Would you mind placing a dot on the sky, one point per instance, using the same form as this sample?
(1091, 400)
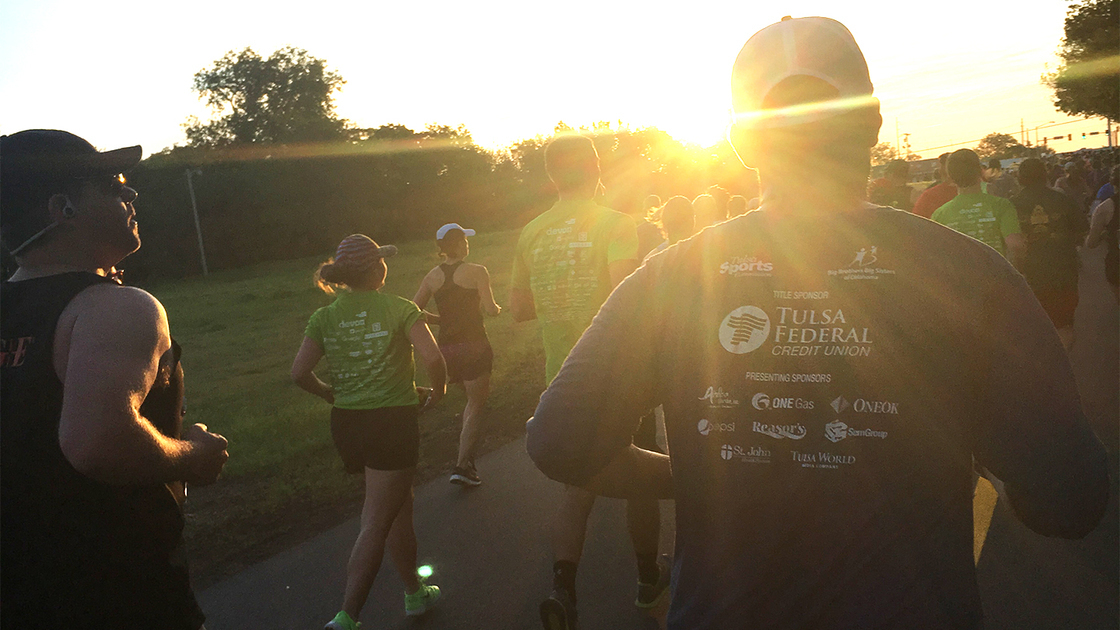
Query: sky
(947, 72)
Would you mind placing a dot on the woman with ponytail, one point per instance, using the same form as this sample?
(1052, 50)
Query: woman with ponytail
(368, 338)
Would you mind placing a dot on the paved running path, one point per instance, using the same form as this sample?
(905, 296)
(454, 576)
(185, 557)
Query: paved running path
(489, 546)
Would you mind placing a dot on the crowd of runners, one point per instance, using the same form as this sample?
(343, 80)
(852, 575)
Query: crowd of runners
(830, 366)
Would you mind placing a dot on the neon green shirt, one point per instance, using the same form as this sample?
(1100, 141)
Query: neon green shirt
(364, 336)
(563, 257)
(986, 218)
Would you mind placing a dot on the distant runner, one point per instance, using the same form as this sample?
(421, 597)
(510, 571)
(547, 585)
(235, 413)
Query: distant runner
(823, 416)
(1104, 227)
(367, 338)
(1054, 226)
(568, 260)
(462, 293)
(989, 219)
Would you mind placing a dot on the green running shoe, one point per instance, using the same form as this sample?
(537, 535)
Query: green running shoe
(418, 603)
(342, 621)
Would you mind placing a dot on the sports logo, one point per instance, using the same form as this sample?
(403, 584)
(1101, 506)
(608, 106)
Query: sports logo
(744, 329)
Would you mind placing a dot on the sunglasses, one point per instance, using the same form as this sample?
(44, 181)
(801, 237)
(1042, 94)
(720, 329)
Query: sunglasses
(113, 186)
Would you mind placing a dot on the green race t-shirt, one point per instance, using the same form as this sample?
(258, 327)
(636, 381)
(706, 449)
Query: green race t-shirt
(563, 257)
(986, 218)
(364, 336)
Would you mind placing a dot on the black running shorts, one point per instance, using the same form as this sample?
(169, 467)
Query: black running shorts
(387, 438)
(467, 361)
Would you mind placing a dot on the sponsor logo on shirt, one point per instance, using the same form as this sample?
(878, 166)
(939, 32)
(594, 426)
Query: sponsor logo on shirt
(864, 266)
(780, 431)
(744, 330)
(838, 430)
(822, 459)
(746, 266)
(797, 332)
(719, 399)
(750, 455)
(763, 402)
(865, 406)
(707, 426)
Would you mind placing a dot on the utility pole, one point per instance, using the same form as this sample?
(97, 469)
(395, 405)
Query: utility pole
(1022, 133)
(197, 226)
(897, 146)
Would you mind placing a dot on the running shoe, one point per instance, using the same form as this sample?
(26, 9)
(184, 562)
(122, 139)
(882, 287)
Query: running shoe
(342, 621)
(465, 476)
(558, 612)
(651, 595)
(421, 601)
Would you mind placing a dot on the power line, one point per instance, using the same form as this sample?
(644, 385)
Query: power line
(954, 144)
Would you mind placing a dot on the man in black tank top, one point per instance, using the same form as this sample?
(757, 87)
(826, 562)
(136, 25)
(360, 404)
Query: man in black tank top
(93, 453)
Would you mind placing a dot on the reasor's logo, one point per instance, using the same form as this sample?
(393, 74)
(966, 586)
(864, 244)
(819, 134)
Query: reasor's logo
(744, 329)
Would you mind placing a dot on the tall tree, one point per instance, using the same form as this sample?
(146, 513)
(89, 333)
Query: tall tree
(288, 97)
(883, 153)
(1087, 83)
(1001, 146)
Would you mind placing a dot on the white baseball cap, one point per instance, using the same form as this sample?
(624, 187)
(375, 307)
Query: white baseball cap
(442, 232)
(811, 46)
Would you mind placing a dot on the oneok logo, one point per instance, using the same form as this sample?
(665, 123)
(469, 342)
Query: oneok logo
(706, 426)
(744, 329)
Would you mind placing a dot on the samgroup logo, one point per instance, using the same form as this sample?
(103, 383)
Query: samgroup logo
(837, 430)
(747, 266)
(707, 426)
(744, 329)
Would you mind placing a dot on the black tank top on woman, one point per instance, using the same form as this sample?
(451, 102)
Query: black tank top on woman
(460, 320)
(74, 552)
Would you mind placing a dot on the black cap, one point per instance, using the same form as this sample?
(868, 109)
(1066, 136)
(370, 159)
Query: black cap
(44, 152)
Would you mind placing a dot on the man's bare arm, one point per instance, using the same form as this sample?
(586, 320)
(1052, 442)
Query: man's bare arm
(432, 360)
(1016, 248)
(521, 306)
(115, 343)
(634, 474)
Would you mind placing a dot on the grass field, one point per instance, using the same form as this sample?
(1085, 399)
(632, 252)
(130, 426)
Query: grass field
(284, 482)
